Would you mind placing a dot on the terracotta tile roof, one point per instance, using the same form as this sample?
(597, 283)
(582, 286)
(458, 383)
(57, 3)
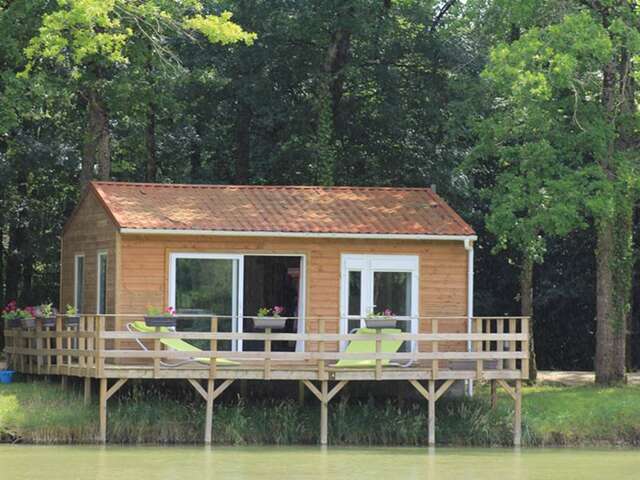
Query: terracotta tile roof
(335, 210)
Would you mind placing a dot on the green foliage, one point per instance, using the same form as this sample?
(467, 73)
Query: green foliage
(82, 32)
(220, 29)
(143, 413)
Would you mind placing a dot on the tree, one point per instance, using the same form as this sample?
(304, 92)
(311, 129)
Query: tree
(89, 39)
(570, 83)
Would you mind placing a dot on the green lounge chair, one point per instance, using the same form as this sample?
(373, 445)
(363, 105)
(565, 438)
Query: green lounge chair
(369, 346)
(176, 344)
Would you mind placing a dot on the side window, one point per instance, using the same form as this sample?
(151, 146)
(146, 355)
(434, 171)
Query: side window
(78, 292)
(101, 298)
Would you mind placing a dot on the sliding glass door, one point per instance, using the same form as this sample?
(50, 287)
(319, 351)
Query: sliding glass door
(208, 284)
(375, 284)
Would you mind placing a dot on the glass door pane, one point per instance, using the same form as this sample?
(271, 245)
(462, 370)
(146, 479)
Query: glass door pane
(392, 296)
(354, 300)
(207, 286)
(392, 291)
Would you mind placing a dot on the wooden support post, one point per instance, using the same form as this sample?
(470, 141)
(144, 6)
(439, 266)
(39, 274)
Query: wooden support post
(324, 412)
(301, 392)
(87, 390)
(63, 381)
(103, 411)
(517, 415)
(321, 363)
(432, 412)
(267, 354)
(434, 349)
(208, 423)
(243, 388)
(494, 395)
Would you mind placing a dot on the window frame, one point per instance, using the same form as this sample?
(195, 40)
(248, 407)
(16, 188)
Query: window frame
(79, 302)
(99, 306)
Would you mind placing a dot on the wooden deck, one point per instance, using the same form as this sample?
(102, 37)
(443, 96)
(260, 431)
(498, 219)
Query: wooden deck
(499, 355)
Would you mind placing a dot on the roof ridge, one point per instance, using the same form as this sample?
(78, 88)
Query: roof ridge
(257, 187)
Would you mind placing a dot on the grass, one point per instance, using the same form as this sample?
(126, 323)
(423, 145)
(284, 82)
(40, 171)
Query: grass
(41, 412)
(583, 415)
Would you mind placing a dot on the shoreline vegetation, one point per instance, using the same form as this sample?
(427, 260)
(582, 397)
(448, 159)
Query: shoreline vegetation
(43, 413)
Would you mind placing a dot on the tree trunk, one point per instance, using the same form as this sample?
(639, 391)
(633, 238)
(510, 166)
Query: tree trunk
(526, 310)
(17, 243)
(329, 95)
(242, 150)
(610, 335)
(96, 149)
(151, 172)
(195, 158)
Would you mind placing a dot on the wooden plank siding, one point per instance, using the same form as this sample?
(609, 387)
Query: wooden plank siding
(442, 276)
(89, 231)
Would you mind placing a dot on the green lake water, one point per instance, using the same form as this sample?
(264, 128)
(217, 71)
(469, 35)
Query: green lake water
(306, 463)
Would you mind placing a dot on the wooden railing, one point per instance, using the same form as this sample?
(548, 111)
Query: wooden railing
(98, 343)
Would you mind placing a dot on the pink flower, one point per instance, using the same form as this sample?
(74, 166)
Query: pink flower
(387, 312)
(277, 310)
(170, 310)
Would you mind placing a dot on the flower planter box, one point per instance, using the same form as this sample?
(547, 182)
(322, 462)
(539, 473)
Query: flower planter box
(160, 321)
(28, 322)
(269, 322)
(72, 321)
(383, 322)
(15, 323)
(49, 321)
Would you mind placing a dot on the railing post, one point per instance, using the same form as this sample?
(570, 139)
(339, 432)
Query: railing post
(500, 343)
(213, 346)
(378, 373)
(59, 345)
(90, 363)
(321, 362)
(512, 343)
(82, 344)
(38, 344)
(267, 354)
(68, 345)
(99, 346)
(524, 328)
(434, 349)
(156, 354)
(478, 349)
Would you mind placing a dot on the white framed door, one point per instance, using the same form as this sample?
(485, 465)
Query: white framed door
(208, 284)
(375, 283)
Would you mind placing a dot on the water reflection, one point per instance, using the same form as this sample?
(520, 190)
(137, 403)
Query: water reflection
(335, 463)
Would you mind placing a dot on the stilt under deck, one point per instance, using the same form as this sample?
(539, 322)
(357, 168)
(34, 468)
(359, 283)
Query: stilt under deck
(499, 355)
